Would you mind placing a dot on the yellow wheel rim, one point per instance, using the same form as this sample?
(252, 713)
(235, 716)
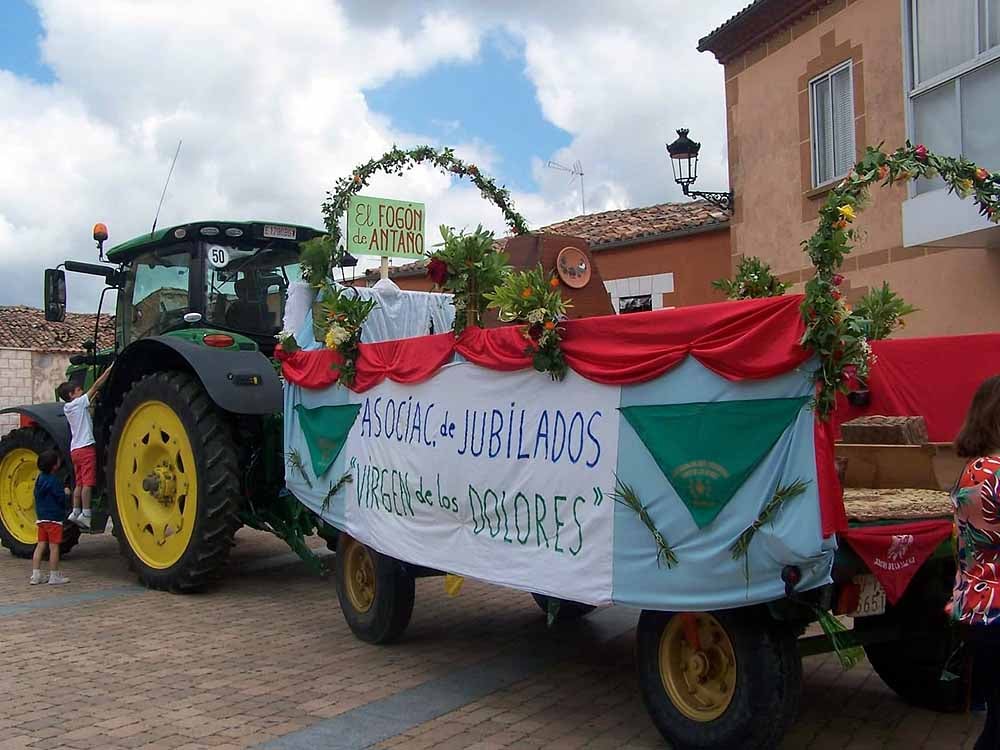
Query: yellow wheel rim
(18, 472)
(359, 575)
(700, 678)
(156, 485)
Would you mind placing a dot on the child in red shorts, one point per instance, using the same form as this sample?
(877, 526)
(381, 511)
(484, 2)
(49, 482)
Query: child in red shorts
(83, 451)
(50, 509)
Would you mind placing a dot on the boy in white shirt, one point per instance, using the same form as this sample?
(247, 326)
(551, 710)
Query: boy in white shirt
(82, 447)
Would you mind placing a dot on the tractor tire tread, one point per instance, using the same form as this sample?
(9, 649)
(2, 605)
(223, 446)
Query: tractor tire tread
(217, 519)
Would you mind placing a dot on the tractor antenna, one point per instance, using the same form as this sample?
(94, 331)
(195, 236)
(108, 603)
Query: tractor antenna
(575, 171)
(163, 194)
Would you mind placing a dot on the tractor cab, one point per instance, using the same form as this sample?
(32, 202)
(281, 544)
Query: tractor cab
(213, 283)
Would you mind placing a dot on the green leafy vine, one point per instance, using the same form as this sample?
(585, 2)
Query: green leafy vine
(836, 336)
(395, 162)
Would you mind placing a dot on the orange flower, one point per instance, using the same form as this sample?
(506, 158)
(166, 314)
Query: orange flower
(553, 282)
(526, 293)
(549, 325)
(357, 179)
(842, 224)
(883, 171)
(981, 174)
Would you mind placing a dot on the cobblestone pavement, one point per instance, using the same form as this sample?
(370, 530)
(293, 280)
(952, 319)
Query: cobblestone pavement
(266, 659)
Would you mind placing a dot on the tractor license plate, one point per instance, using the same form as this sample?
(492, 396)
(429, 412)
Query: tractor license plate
(277, 232)
(871, 598)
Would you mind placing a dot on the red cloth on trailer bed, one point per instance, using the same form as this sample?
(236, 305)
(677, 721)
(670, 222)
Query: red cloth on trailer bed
(930, 377)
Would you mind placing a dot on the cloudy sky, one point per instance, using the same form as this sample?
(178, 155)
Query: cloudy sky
(275, 101)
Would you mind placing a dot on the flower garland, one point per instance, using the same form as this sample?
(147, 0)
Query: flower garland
(396, 161)
(532, 298)
(831, 331)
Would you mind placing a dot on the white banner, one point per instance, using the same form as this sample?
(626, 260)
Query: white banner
(503, 477)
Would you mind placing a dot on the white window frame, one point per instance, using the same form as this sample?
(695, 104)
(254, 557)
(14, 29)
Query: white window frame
(813, 122)
(911, 62)
(912, 51)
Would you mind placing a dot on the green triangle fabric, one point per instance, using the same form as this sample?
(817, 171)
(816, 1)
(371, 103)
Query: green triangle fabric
(707, 451)
(325, 429)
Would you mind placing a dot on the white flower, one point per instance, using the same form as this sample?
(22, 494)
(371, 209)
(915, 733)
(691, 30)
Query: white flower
(336, 335)
(536, 316)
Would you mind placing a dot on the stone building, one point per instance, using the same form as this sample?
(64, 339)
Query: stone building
(34, 354)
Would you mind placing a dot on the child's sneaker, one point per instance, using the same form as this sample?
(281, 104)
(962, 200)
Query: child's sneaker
(36, 578)
(57, 579)
(83, 521)
(74, 515)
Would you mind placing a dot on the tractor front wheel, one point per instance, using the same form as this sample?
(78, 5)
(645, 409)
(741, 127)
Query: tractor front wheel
(19, 451)
(173, 481)
(375, 591)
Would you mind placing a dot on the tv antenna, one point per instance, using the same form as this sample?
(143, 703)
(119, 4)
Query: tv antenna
(160, 204)
(575, 171)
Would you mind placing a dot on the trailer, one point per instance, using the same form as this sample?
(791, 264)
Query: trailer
(679, 468)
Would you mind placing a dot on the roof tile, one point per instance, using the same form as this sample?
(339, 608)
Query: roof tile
(26, 328)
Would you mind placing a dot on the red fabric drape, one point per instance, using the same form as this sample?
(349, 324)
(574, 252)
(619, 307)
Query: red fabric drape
(751, 339)
(495, 348)
(404, 360)
(931, 377)
(316, 369)
(831, 494)
(738, 340)
(895, 553)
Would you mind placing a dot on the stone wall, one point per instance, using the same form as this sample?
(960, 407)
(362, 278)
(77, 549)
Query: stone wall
(28, 377)
(15, 384)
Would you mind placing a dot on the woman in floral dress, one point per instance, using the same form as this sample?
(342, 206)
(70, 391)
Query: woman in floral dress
(976, 598)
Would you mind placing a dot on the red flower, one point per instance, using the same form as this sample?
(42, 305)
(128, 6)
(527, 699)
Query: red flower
(920, 152)
(835, 294)
(837, 279)
(981, 174)
(437, 270)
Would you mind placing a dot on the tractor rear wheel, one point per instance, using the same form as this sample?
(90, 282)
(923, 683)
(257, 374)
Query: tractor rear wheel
(19, 451)
(173, 482)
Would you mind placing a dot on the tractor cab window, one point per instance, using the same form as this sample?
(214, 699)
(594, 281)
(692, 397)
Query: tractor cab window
(158, 292)
(246, 286)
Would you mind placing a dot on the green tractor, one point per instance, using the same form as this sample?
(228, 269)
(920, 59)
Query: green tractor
(188, 425)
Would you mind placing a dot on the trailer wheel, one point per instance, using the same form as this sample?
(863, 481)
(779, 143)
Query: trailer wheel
(721, 679)
(173, 483)
(375, 591)
(912, 664)
(19, 451)
(568, 611)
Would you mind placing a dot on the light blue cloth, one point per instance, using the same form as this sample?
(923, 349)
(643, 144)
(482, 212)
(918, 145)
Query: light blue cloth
(706, 576)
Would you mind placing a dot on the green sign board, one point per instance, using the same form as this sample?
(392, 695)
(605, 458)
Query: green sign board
(379, 226)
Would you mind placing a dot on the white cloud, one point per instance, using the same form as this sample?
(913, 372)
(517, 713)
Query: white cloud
(269, 102)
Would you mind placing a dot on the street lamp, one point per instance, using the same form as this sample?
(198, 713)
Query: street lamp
(684, 162)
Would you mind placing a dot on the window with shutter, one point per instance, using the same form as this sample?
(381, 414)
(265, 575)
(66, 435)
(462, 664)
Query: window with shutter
(831, 99)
